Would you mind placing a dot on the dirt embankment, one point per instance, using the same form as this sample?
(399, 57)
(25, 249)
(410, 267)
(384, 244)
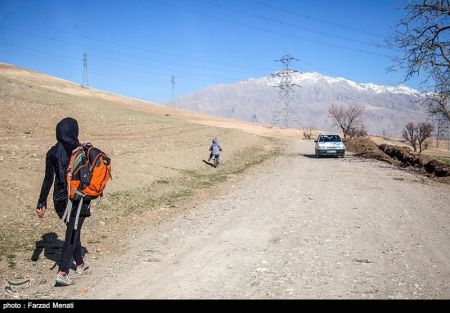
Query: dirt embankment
(365, 147)
(408, 158)
(400, 156)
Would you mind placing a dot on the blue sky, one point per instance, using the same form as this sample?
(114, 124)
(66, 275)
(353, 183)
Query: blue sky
(134, 47)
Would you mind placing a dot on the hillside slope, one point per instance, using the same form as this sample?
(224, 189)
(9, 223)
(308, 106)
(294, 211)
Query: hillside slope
(157, 159)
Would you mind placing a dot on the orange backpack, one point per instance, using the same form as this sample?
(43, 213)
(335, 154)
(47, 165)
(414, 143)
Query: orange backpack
(88, 173)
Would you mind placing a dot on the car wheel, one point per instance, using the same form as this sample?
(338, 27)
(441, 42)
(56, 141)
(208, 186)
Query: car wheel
(316, 154)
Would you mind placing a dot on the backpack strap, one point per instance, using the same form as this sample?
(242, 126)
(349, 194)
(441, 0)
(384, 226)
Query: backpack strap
(68, 210)
(67, 213)
(77, 216)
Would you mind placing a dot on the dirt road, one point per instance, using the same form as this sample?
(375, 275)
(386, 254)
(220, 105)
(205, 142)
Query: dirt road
(297, 227)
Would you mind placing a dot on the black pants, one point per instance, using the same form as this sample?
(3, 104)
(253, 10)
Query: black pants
(72, 245)
(212, 154)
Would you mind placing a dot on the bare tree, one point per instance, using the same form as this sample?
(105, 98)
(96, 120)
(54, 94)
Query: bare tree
(347, 117)
(438, 102)
(410, 134)
(337, 114)
(424, 132)
(307, 132)
(441, 126)
(360, 131)
(424, 37)
(418, 135)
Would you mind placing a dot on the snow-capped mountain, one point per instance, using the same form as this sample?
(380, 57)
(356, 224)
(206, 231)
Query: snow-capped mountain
(387, 109)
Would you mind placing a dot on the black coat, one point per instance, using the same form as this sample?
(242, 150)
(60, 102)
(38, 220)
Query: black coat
(56, 163)
(60, 195)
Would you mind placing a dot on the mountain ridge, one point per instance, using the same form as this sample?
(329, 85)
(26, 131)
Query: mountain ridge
(300, 77)
(388, 108)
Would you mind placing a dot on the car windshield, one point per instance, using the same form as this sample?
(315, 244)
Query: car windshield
(330, 138)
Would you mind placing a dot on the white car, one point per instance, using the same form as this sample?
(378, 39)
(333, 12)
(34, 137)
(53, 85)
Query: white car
(329, 144)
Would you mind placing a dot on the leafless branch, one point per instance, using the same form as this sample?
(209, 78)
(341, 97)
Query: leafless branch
(424, 37)
(348, 118)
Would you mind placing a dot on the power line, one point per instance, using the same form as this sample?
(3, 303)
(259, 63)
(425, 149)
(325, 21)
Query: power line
(27, 10)
(140, 66)
(140, 49)
(178, 63)
(219, 51)
(135, 56)
(262, 29)
(227, 53)
(297, 14)
(103, 74)
(98, 72)
(300, 27)
(137, 66)
(26, 51)
(184, 64)
(94, 67)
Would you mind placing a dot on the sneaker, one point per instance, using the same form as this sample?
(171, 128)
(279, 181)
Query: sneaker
(62, 279)
(81, 268)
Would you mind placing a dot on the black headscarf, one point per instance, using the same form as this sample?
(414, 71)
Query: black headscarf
(67, 136)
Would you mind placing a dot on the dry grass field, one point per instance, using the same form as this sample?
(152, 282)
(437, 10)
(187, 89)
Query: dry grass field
(157, 155)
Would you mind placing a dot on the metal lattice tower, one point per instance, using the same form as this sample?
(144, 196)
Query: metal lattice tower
(85, 71)
(285, 112)
(172, 80)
